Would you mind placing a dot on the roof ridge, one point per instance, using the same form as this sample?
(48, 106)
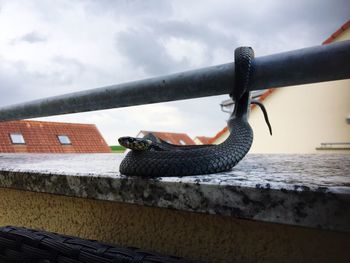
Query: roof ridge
(340, 30)
(51, 122)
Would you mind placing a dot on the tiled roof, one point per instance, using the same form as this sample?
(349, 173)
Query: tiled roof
(42, 137)
(171, 137)
(269, 91)
(204, 139)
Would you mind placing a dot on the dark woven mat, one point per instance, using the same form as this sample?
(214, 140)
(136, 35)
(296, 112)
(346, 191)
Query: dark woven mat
(19, 244)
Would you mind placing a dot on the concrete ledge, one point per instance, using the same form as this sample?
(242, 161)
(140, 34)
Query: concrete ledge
(304, 190)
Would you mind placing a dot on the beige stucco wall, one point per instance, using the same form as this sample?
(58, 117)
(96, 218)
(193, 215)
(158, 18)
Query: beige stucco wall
(345, 35)
(197, 141)
(192, 235)
(303, 117)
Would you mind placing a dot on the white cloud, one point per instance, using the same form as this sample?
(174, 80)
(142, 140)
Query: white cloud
(195, 53)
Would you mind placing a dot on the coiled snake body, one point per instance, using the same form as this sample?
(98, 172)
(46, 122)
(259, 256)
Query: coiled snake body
(150, 158)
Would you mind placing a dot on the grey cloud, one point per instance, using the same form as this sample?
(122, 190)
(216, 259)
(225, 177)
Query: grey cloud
(19, 83)
(268, 27)
(200, 32)
(143, 49)
(301, 22)
(185, 29)
(130, 8)
(32, 37)
(70, 65)
(16, 82)
(64, 72)
(207, 36)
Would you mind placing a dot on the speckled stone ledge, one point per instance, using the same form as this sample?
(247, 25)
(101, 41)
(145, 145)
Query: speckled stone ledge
(303, 190)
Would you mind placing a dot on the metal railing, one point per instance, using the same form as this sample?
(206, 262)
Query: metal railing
(309, 65)
(334, 146)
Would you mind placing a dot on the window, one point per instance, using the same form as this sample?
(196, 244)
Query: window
(182, 142)
(17, 138)
(64, 139)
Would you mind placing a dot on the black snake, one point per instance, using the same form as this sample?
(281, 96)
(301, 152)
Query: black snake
(154, 158)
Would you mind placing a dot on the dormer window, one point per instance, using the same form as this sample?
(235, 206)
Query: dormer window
(17, 138)
(64, 139)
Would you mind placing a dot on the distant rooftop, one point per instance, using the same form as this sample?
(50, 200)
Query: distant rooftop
(170, 137)
(50, 137)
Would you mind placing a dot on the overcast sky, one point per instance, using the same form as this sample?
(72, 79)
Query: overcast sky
(54, 47)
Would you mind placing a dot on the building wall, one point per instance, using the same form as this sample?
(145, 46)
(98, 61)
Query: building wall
(197, 141)
(345, 35)
(42, 137)
(200, 140)
(303, 117)
(211, 238)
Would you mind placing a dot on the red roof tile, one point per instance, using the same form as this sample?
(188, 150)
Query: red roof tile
(41, 137)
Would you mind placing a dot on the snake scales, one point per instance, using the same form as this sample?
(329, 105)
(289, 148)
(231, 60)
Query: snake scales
(150, 158)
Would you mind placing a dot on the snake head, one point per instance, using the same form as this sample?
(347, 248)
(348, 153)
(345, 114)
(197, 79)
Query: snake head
(135, 144)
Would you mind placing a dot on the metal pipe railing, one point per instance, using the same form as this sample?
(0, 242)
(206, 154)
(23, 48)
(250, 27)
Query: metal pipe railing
(314, 64)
